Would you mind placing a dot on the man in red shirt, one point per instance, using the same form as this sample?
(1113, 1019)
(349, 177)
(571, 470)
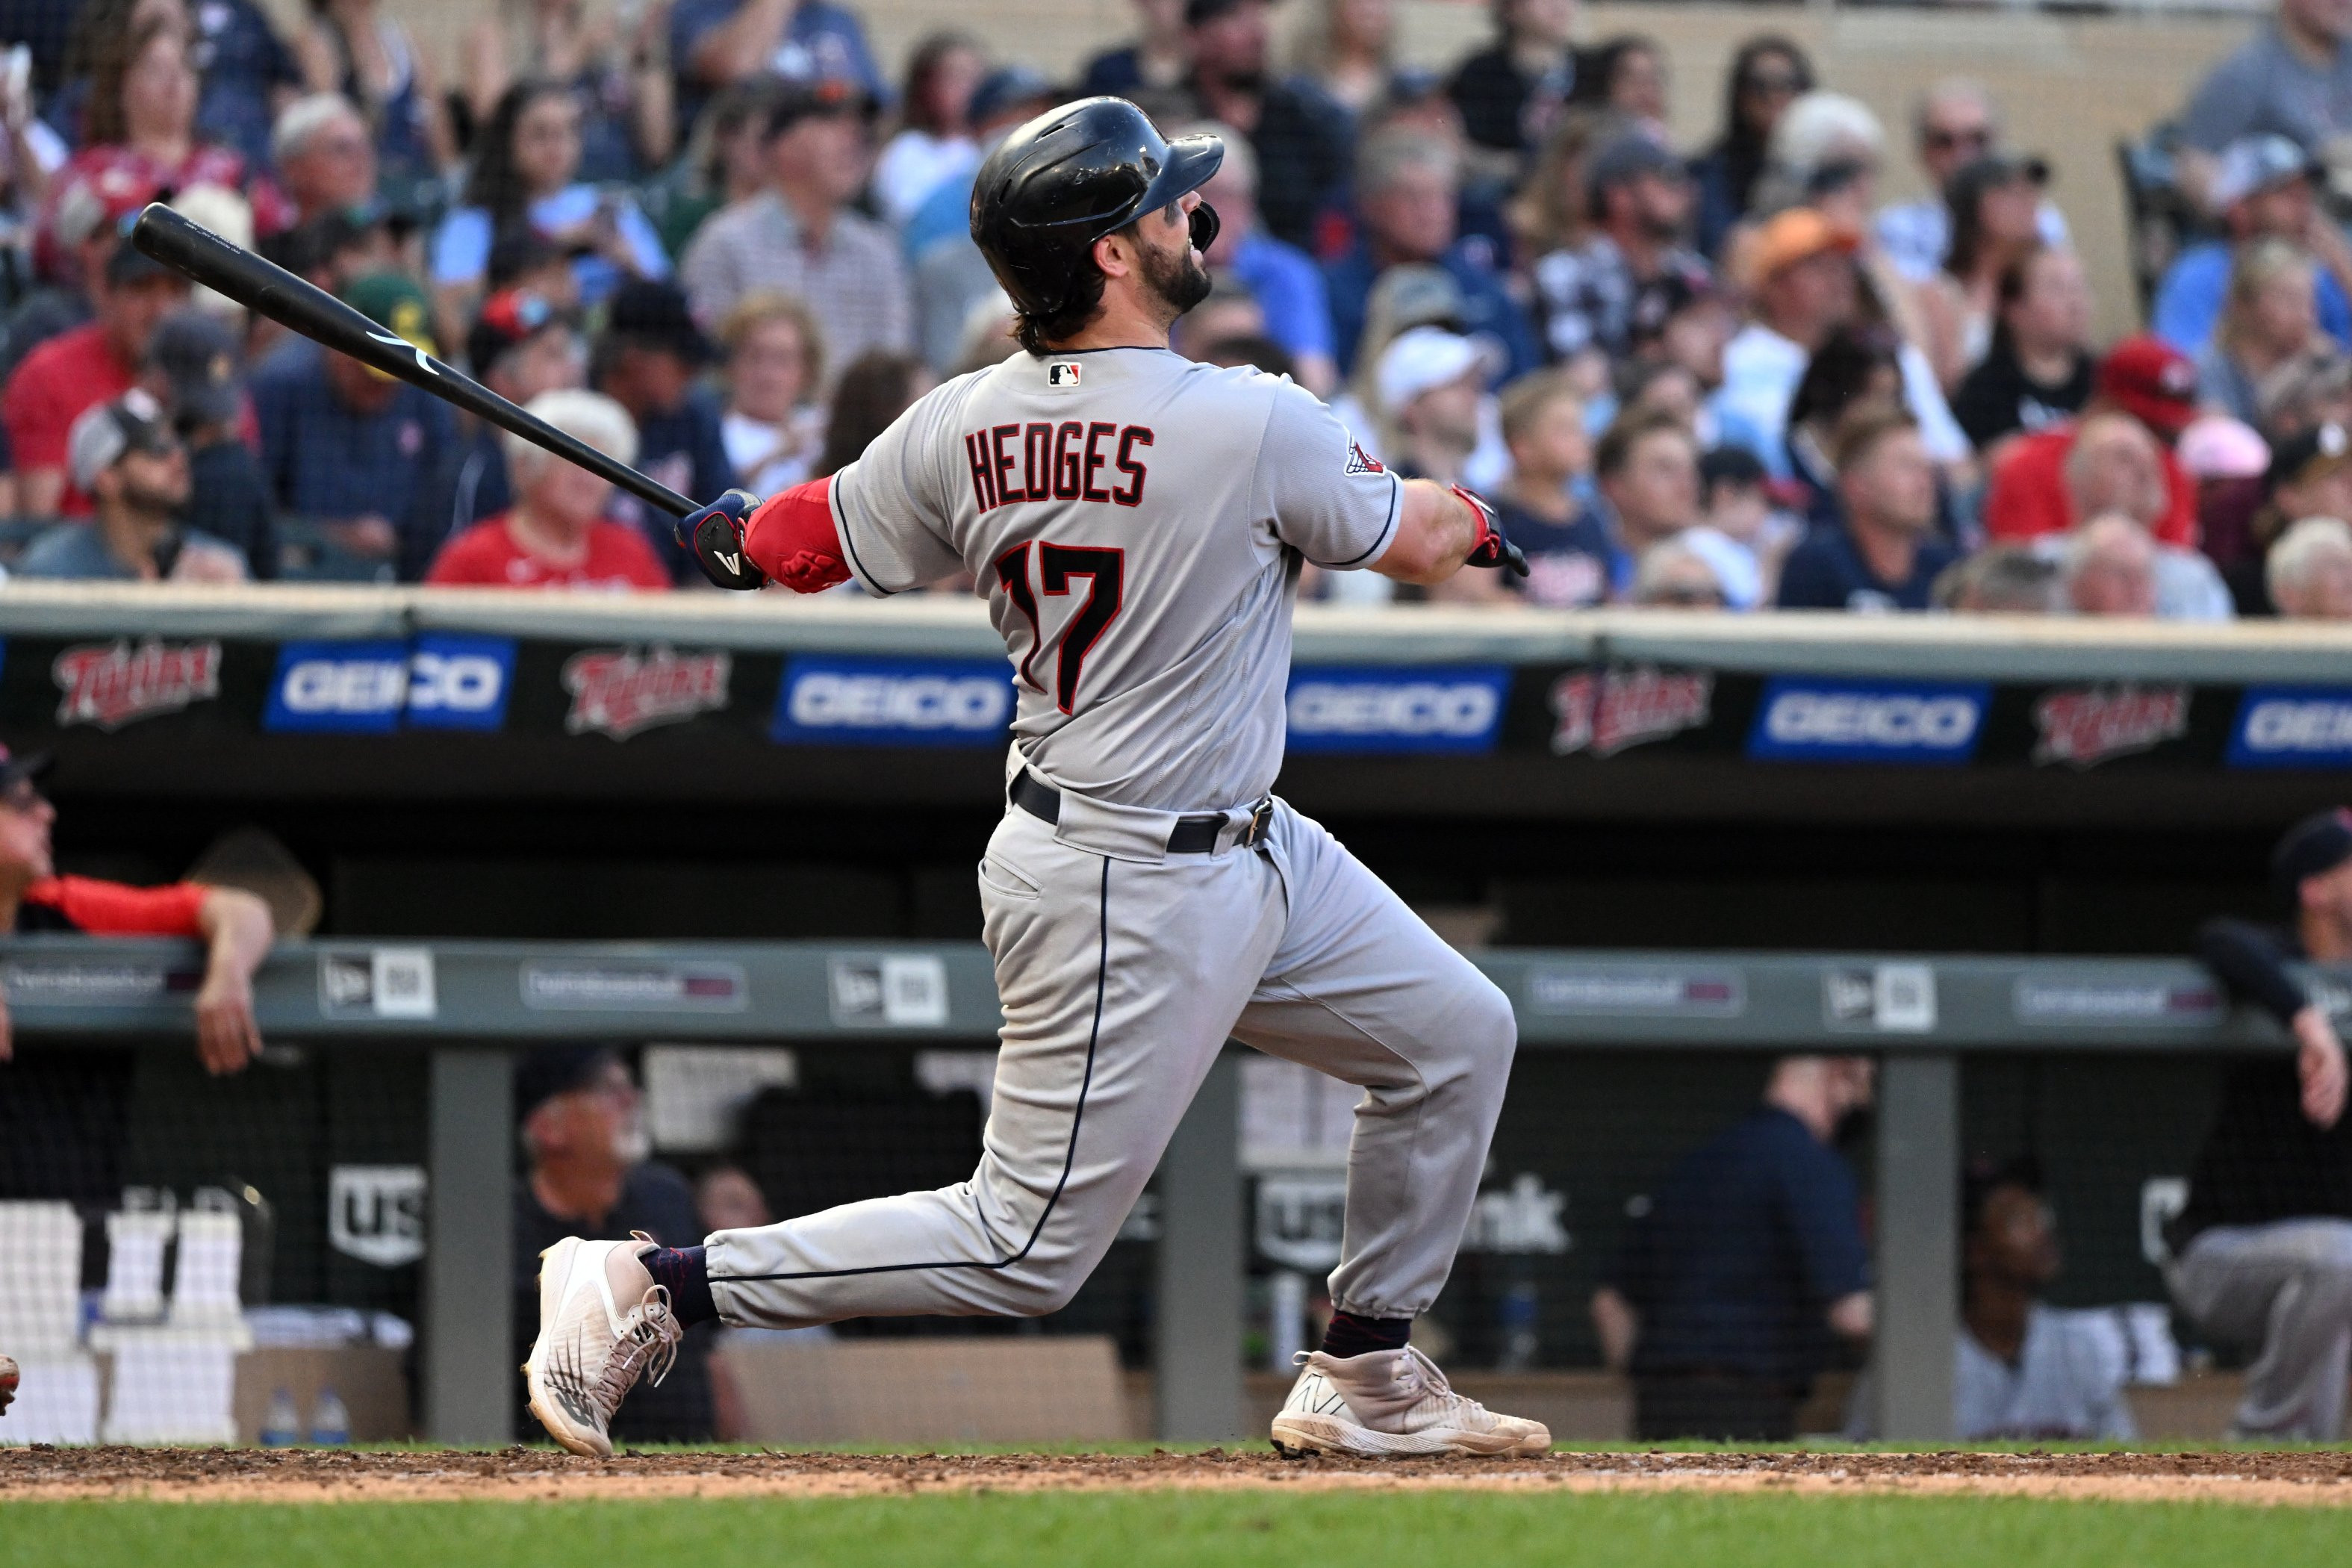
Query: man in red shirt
(2142, 376)
(76, 371)
(557, 536)
(234, 925)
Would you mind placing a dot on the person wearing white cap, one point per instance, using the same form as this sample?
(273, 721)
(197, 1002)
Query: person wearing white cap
(1431, 382)
(2263, 187)
(123, 456)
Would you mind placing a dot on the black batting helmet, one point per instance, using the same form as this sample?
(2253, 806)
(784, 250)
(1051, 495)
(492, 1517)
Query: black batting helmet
(1070, 176)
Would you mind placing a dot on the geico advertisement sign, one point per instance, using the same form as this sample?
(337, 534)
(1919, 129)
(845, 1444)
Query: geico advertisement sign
(2292, 726)
(436, 682)
(1374, 711)
(1906, 722)
(893, 702)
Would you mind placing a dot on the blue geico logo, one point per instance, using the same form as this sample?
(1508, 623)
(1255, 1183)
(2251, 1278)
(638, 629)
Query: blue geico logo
(1376, 711)
(893, 702)
(1811, 721)
(2292, 726)
(438, 682)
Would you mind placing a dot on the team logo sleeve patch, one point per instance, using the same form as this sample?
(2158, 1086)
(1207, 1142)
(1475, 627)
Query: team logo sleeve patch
(1359, 463)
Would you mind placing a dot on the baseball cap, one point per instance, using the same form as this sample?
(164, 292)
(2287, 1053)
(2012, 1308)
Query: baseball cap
(132, 422)
(1629, 157)
(2152, 382)
(551, 1070)
(2216, 446)
(2254, 163)
(397, 304)
(1008, 88)
(1797, 235)
(655, 313)
(798, 100)
(23, 767)
(2311, 848)
(509, 319)
(2307, 455)
(1421, 358)
(196, 353)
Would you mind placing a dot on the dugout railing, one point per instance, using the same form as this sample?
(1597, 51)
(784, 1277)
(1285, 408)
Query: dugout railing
(470, 1005)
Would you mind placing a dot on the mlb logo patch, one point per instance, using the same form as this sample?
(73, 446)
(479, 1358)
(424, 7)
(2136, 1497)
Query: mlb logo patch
(1061, 373)
(1358, 463)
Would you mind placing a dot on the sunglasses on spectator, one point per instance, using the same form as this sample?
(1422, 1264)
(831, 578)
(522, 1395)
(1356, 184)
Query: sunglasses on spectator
(1977, 138)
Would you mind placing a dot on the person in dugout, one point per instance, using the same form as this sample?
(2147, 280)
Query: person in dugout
(234, 925)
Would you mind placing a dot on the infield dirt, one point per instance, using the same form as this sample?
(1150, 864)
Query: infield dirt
(234, 1475)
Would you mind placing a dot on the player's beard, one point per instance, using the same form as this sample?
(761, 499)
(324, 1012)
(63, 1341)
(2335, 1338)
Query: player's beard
(1177, 279)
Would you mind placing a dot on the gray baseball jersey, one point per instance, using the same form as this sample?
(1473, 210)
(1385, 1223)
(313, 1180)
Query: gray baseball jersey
(1135, 521)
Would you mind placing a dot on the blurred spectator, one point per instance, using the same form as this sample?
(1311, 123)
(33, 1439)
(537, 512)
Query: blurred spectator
(801, 237)
(2263, 189)
(648, 362)
(526, 174)
(587, 1175)
(348, 448)
(950, 276)
(1346, 56)
(1231, 311)
(140, 124)
(725, 161)
(2310, 475)
(1881, 555)
(1431, 384)
(1632, 265)
(1510, 91)
(1626, 76)
(2292, 78)
(1826, 153)
(873, 391)
(1994, 202)
(1159, 58)
(1736, 508)
(715, 44)
(1673, 575)
(2142, 377)
(2111, 567)
(1955, 127)
(1769, 73)
(191, 371)
(2003, 580)
(557, 535)
(1285, 282)
(324, 156)
(773, 427)
(135, 471)
(1571, 561)
(2310, 389)
(86, 218)
(1657, 387)
(1405, 186)
(354, 48)
(934, 142)
(1256, 352)
(79, 368)
(2118, 469)
(2309, 570)
(2036, 371)
(1804, 285)
(2262, 1254)
(520, 346)
(1302, 155)
(1747, 1268)
(1852, 366)
(1646, 469)
(2271, 317)
(2227, 460)
(628, 122)
(244, 72)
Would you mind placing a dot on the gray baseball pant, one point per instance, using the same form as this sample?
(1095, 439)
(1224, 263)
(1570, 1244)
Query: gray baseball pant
(1122, 971)
(2287, 1288)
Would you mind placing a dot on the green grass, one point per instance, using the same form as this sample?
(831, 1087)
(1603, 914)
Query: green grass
(1229, 1530)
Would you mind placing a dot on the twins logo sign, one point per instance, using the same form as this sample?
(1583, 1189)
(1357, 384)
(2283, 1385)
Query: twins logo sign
(438, 682)
(621, 691)
(114, 684)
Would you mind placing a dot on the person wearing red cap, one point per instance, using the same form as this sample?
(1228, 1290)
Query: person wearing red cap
(2142, 376)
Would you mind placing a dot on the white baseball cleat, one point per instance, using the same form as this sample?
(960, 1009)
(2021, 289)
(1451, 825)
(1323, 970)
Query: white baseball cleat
(590, 1351)
(1388, 1405)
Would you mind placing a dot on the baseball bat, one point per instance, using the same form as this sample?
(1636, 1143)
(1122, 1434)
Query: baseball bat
(200, 254)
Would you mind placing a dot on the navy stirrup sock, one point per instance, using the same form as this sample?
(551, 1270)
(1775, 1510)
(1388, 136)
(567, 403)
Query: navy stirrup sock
(1350, 1335)
(681, 1270)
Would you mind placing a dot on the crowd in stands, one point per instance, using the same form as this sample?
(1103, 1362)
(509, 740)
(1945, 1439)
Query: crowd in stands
(712, 236)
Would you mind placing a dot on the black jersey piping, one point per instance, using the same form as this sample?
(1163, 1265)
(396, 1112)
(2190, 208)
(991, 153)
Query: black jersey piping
(1069, 1155)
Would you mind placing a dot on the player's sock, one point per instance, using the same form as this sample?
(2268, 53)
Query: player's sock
(680, 1269)
(1350, 1335)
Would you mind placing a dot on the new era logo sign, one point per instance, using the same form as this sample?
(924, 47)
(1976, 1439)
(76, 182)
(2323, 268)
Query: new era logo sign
(1061, 373)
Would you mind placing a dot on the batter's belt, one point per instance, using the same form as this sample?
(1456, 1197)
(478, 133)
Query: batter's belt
(1198, 835)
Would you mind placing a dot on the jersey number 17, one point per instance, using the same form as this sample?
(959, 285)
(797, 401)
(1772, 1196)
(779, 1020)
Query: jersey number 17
(1105, 571)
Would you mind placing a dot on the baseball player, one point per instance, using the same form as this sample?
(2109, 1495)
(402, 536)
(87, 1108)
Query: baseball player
(1138, 523)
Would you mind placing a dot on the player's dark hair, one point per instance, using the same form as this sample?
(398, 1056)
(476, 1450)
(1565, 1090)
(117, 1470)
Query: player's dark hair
(1039, 333)
(1620, 441)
